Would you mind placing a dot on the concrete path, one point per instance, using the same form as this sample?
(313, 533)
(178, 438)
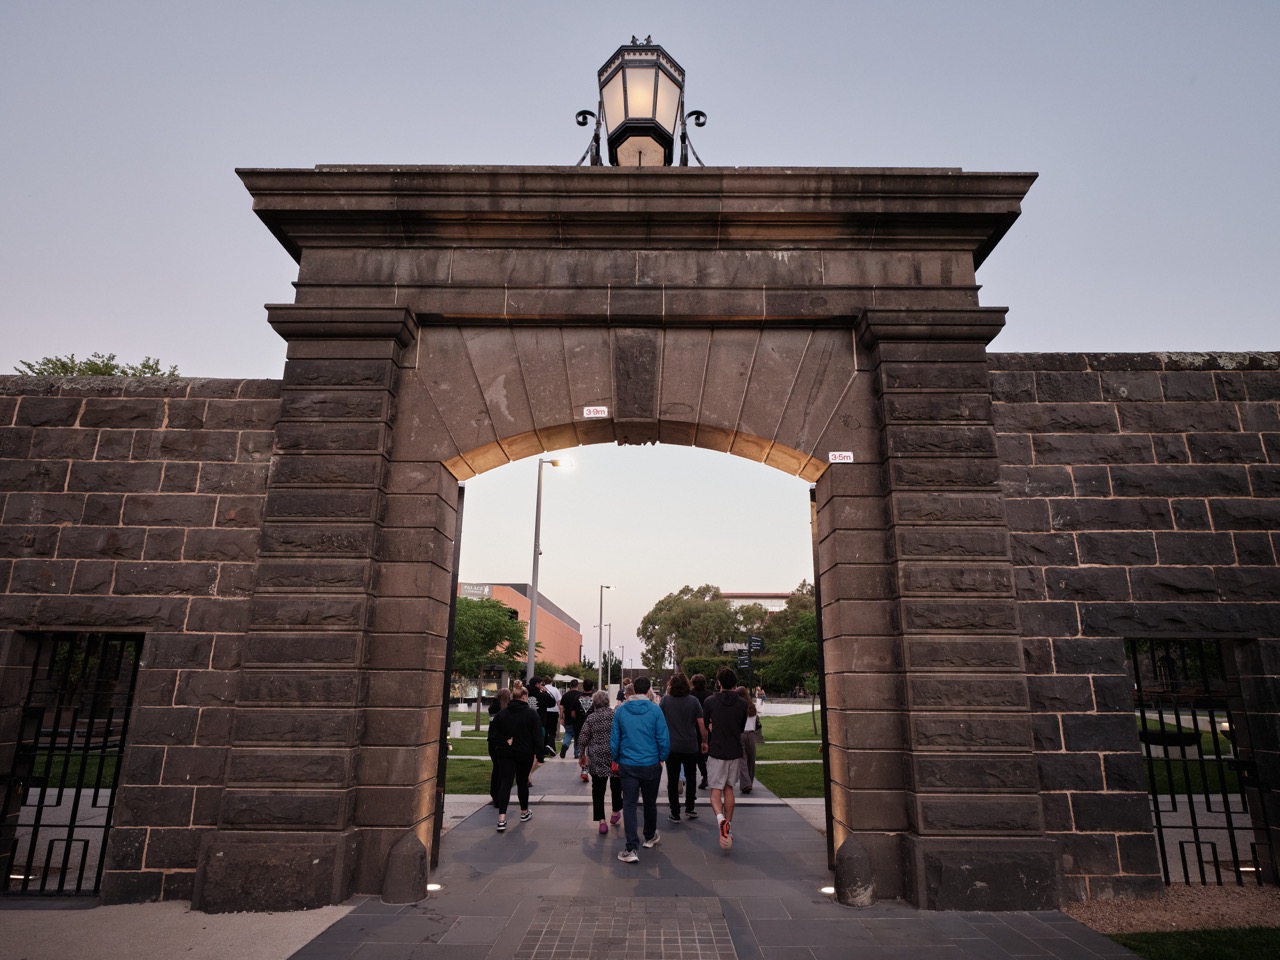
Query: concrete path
(553, 888)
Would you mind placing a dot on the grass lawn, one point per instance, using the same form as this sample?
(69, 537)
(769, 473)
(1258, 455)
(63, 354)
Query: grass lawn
(1176, 775)
(468, 747)
(811, 750)
(798, 726)
(1248, 943)
(468, 776)
(792, 779)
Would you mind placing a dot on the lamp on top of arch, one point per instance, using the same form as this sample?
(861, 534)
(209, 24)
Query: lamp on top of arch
(641, 109)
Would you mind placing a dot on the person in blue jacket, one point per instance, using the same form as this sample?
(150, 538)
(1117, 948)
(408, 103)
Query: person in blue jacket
(639, 743)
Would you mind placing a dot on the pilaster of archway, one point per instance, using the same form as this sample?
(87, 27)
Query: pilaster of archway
(974, 827)
(337, 714)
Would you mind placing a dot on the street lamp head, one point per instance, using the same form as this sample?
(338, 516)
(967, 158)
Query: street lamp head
(641, 108)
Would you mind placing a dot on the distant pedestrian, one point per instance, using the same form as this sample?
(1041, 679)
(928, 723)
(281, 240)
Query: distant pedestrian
(549, 713)
(688, 734)
(698, 689)
(597, 759)
(571, 716)
(639, 743)
(520, 744)
(748, 780)
(496, 706)
(727, 717)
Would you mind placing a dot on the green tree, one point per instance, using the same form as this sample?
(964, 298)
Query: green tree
(792, 657)
(688, 623)
(486, 633)
(96, 366)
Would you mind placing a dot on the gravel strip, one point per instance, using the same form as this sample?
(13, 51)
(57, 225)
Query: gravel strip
(1183, 908)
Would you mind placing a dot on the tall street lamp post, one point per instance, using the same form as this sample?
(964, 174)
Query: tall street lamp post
(600, 640)
(537, 552)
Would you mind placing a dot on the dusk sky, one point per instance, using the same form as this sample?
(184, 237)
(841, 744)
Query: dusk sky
(124, 229)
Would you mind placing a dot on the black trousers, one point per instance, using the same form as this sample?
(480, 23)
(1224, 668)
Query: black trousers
(597, 795)
(514, 769)
(689, 761)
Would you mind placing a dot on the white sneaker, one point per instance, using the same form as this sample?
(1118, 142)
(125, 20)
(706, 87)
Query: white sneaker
(628, 856)
(652, 841)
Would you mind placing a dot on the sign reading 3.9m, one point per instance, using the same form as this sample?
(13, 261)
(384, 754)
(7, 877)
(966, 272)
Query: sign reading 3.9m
(595, 413)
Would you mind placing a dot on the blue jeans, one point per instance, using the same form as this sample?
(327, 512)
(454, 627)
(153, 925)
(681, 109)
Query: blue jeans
(639, 783)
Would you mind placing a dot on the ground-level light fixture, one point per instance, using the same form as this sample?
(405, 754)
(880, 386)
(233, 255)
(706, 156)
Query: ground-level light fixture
(641, 109)
(434, 887)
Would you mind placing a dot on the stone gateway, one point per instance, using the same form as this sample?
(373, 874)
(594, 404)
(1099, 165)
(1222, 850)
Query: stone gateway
(1004, 526)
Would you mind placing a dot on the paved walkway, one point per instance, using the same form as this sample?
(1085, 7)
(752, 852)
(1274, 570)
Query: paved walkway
(553, 888)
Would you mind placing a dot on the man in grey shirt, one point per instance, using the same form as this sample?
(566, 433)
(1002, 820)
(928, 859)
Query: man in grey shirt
(688, 742)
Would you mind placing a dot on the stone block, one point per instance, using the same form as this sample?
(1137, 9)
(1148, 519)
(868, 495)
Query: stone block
(306, 687)
(1117, 812)
(1180, 481)
(15, 442)
(1091, 656)
(1051, 694)
(315, 505)
(1026, 481)
(1086, 583)
(1176, 417)
(41, 576)
(988, 815)
(1041, 550)
(1208, 620)
(93, 576)
(284, 809)
(990, 615)
(355, 470)
(1253, 514)
(313, 374)
(1138, 853)
(152, 807)
(1049, 619)
(273, 726)
(34, 475)
(983, 874)
(929, 408)
(53, 443)
(1183, 549)
(337, 612)
(136, 413)
(165, 578)
(944, 474)
(1070, 771)
(963, 692)
(125, 847)
(164, 510)
(1253, 549)
(276, 872)
(1225, 448)
(949, 578)
(164, 544)
(1263, 385)
(970, 734)
(296, 437)
(1099, 732)
(1171, 583)
(1131, 386)
(1053, 386)
(945, 507)
(34, 411)
(1014, 449)
(928, 543)
(996, 774)
(1067, 448)
(131, 886)
(39, 508)
(330, 768)
(1117, 549)
(1113, 514)
(326, 539)
(1046, 730)
(206, 688)
(193, 766)
(1124, 772)
(905, 376)
(928, 653)
(1027, 516)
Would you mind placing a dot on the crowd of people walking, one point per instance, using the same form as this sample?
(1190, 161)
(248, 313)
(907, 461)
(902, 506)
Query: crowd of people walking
(622, 749)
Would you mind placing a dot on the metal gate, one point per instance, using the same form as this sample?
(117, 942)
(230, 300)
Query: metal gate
(58, 795)
(1209, 810)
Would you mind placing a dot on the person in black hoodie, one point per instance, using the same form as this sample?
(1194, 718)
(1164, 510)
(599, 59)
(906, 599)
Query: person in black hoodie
(520, 743)
(698, 689)
(496, 706)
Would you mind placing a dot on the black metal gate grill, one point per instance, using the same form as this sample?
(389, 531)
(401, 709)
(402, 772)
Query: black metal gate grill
(58, 795)
(1208, 807)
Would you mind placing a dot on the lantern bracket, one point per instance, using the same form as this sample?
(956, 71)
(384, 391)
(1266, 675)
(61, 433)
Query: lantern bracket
(584, 117)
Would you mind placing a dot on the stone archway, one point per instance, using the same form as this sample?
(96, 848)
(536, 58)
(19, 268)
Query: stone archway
(823, 322)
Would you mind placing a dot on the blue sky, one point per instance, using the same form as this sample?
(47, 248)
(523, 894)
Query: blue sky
(123, 227)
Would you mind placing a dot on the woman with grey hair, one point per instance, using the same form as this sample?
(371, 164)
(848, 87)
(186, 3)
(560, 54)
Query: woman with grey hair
(597, 759)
